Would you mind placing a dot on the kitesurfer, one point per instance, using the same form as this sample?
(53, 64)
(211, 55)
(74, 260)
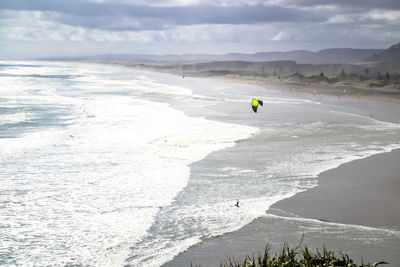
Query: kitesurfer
(237, 204)
(255, 103)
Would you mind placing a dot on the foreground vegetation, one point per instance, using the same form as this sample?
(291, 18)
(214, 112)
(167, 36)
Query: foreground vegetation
(296, 257)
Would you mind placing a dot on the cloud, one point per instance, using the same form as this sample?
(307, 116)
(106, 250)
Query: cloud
(389, 16)
(210, 26)
(281, 36)
(164, 14)
(353, 4)
(92, 14)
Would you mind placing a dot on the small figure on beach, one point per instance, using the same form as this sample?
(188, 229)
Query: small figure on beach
(237, 204)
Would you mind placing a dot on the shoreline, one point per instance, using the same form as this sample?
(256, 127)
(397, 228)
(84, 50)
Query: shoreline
(379, 94)
(330, 93)
(309, 209)
(389, 93)
(353, 193)
(354, 89)
(365, 200)
(355, 169)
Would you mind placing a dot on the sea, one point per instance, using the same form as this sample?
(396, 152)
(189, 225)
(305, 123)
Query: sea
(105, 165)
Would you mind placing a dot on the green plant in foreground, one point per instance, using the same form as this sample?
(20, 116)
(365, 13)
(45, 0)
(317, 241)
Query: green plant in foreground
(297, 257)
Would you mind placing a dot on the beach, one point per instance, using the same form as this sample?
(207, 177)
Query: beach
(339, 198)
(105, 165)
(363, 192)
(352, 206)
(199, 133)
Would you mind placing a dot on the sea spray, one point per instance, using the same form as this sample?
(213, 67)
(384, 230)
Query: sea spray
(121, 176)
(84, 189)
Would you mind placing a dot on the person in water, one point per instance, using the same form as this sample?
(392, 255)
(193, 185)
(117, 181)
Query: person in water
(237, 204)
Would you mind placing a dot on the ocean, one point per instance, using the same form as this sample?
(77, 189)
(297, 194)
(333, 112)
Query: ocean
(103, 165)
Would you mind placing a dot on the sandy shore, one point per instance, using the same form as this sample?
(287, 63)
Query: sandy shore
(380, 103)
(380, 94)
(364, 192)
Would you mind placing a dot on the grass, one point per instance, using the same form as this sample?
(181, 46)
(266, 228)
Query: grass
(296, 257)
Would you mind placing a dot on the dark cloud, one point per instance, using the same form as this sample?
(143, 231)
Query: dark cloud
(285, 25)
(352, 4)
(69, 7)
(125, 17)
(105, 15)
(106, 23)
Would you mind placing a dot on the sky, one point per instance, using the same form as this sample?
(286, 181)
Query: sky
(63, 28)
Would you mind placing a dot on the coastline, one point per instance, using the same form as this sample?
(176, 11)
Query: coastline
(340, 201)
(361, 192)
(365, 186)
(369, 100)
(368, 184)
(380, 94)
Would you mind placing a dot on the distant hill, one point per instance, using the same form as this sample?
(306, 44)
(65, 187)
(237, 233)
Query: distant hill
(327, 56)
(389, 56)
(274, 68)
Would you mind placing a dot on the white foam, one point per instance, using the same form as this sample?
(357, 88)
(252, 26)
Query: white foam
(89, 191)
(336, 225)
(14, 118)
(211, 218)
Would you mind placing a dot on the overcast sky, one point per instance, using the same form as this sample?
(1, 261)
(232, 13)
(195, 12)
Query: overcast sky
(46, 28)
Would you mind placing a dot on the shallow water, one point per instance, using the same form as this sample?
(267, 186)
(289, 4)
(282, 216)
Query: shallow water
(97, 161)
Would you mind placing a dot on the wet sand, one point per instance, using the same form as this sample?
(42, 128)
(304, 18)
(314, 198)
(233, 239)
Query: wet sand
(381, 94)
(364, 192)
